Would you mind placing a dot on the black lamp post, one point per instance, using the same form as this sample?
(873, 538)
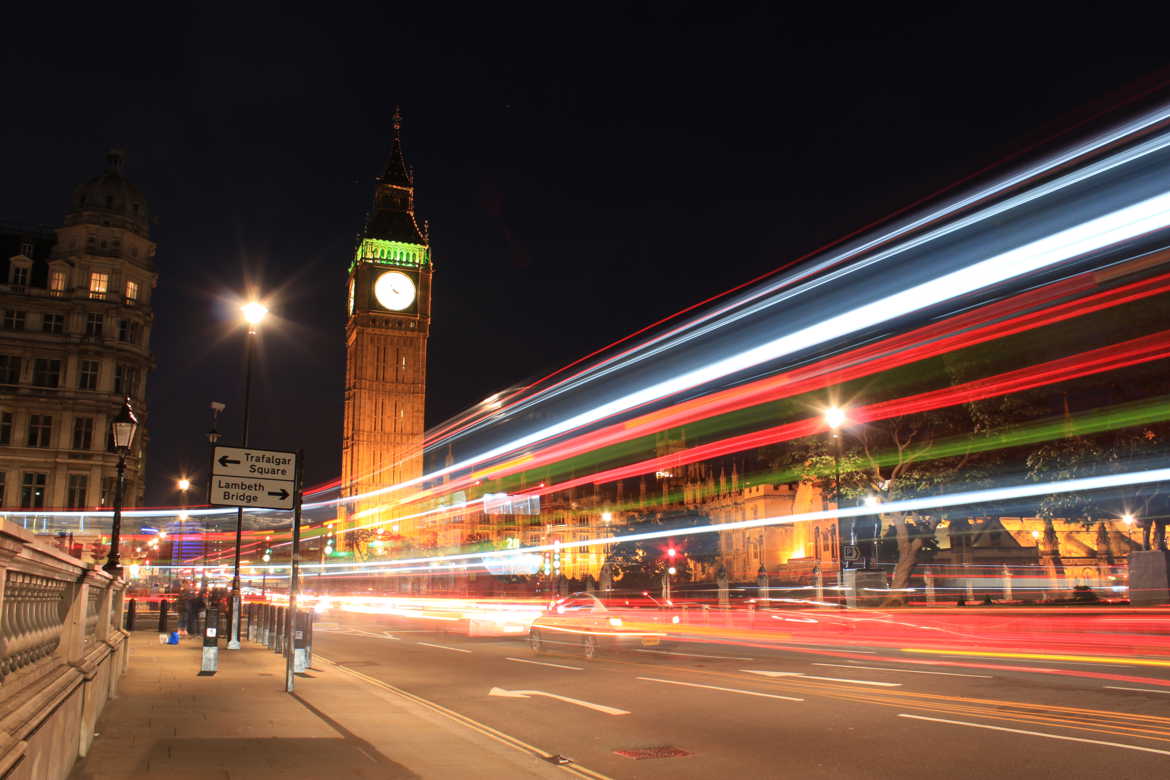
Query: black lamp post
(835, 418)
(122, 428)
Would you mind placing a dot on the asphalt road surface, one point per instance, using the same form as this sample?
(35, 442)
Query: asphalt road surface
(711, 710)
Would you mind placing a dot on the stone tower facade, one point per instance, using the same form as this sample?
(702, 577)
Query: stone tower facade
(388, 311)
(75, 342)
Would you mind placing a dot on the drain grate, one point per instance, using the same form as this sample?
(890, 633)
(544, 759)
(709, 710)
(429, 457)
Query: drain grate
(660, 751)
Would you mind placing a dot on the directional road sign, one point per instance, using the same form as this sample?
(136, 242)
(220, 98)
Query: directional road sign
(851, 552)
(260, 479)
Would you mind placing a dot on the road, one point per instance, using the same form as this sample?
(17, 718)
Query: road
(740, 711)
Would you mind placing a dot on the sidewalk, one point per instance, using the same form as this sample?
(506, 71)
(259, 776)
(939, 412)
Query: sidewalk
(169, 722)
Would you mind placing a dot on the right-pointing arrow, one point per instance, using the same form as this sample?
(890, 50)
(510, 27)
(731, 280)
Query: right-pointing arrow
(282, 494)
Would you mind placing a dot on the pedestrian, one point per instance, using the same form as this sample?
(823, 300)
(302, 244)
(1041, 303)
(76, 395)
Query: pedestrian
(194, 609)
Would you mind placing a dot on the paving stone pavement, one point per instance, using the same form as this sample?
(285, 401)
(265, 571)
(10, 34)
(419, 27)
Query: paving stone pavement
(168, 721)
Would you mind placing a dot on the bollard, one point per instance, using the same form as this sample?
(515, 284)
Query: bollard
(131, 614)
(163, 620)
(928, 580)
(210, 643)
(278, 645)
(251, 632)
(299, 631)
(270, 626)
(311, 618)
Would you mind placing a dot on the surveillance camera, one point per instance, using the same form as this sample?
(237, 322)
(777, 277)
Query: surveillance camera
(216, 406)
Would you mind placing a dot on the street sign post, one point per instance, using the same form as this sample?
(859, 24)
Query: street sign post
(253, 479)
(850, 552)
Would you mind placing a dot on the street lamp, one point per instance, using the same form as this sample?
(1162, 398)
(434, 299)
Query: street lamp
(254, 313)
(184, 485)
(835, 418)
(122, 429)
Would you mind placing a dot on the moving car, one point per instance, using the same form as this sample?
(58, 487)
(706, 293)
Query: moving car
(584, 624)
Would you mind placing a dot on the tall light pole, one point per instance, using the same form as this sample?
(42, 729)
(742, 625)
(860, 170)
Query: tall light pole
(122, 429)
(254, 313)
(835, 418)
(183, 485)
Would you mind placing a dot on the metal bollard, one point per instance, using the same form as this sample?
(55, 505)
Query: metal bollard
(164, 620)
(131, 614)
(269, 626)
(300, 629)
(251, 632)
(278, 641)
(310, 619)
(210, 643)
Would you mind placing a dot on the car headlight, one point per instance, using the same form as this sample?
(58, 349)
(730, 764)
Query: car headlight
(674, 619)
(616, 622)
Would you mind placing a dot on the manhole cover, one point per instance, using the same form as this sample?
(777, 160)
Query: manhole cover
(662, 751)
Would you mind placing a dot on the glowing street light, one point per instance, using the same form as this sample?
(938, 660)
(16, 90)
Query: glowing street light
(254, 313)
(835, 417)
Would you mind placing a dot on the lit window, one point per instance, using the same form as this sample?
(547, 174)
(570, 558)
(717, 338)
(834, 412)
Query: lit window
(99, 285)
(131, 291)
(57, 283)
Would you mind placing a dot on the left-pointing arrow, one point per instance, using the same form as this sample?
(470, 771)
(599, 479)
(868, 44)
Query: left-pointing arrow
(225, 461)
(525, 694)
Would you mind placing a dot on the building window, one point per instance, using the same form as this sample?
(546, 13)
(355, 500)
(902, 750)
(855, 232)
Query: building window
(19, 276)
(40, 430)
(125, 380)
(78, 488)
(88, 377)
(99, 284)
(9, 370)
(83, 433)
(94, 323)
(3, 491)
(131, 291)
(26, 249)
(56, 283)
(46, 372)
(5, 429)
(32, 490)
(128, 331)
(13, 320)
(53, 323)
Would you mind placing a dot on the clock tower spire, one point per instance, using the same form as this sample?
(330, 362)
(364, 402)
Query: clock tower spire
(388, 316)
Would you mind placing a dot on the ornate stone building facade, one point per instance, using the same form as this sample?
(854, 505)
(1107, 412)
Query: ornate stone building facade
(74, 342)
(388, 310)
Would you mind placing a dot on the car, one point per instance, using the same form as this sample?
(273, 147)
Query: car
(584, 624)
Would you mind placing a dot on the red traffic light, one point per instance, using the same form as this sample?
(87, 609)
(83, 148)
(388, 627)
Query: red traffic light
(671, 552)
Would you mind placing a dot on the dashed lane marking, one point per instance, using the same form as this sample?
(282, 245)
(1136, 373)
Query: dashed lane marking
(443, 647)
(545, 663)
(908, 671)
(720, 688)
(1037, 734)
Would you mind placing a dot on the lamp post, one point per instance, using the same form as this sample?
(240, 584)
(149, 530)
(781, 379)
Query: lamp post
(183, 485)
(254, 313)
(212, 438)
(835, 418)
(122, 429)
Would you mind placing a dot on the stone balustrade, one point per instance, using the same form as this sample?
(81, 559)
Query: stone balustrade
(62, 651)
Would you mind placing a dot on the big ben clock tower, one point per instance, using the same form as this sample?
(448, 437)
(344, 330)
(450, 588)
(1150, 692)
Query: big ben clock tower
(388, 317)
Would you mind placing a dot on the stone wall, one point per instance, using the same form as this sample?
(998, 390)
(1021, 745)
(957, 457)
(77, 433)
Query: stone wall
(62, 652)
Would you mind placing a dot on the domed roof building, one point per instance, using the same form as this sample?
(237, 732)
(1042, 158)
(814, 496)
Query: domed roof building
(75, 326)
(110, 199)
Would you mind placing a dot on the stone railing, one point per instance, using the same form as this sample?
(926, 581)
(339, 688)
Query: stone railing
(62, 651)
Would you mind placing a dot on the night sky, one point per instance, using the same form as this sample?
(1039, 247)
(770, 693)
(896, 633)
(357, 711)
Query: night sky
(585, 169)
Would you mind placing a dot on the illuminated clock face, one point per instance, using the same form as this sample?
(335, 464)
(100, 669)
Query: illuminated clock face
(394, 290)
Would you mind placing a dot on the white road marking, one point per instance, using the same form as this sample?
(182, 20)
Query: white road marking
(544, 663)
(1037, 734)
(697, 655)
(718, 688)
(1143, 690)
(803, 676)
(443, 647)
(526, 694)
(908, 671)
